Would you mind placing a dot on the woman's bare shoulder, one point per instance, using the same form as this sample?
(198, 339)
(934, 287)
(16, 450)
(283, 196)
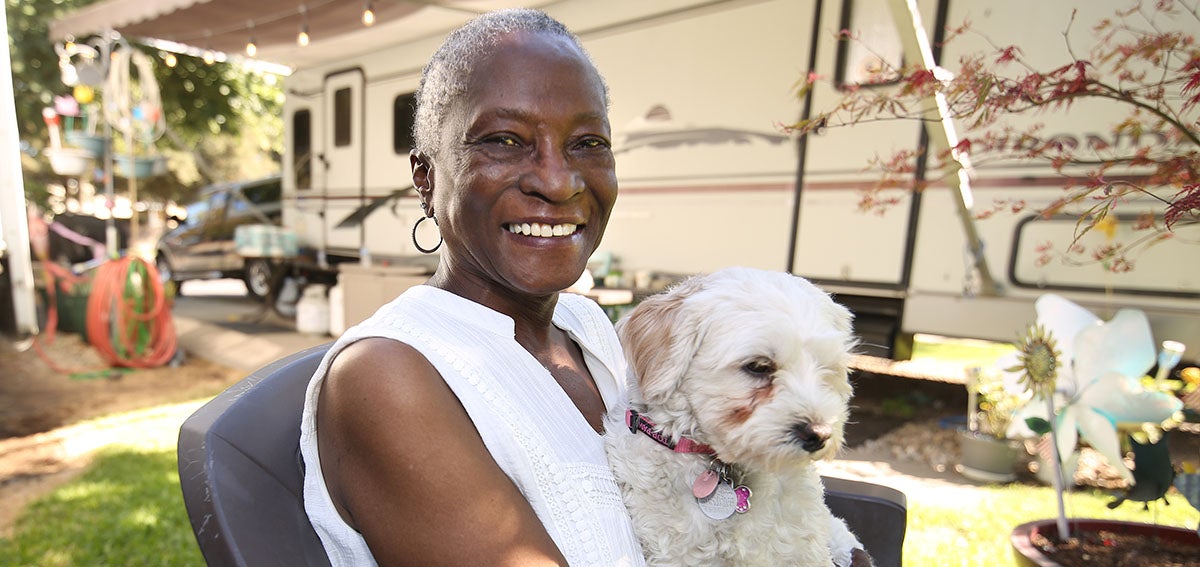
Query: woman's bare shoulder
(379, 387)
(400, 456)
(381, 365)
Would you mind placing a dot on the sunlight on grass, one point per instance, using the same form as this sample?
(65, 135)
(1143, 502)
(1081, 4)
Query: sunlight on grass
(966, 352)
(125, 510)
(948, 533)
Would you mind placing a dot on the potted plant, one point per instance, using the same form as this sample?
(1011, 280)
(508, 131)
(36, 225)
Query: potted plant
(64, 160)
(1087, 380)
(987, 453)
(138, 157)
(139, 166)
(80, 126)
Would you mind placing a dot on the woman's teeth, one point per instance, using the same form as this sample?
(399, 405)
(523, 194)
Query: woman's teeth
(543, 230)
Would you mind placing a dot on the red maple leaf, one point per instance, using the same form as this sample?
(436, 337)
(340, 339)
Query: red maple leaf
(1010, 53)
(1185, 203)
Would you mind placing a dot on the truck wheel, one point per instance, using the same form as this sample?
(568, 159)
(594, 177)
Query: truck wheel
(258, 276)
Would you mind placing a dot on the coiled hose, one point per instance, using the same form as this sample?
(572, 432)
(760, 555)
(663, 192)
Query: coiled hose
(128, 313)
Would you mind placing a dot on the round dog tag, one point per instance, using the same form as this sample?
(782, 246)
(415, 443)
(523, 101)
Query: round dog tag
(705, 484)
(721, 504)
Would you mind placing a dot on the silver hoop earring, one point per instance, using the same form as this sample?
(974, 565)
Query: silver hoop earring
(414, 235)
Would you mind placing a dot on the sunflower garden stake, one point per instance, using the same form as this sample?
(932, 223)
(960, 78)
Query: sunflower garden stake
(1038, 358)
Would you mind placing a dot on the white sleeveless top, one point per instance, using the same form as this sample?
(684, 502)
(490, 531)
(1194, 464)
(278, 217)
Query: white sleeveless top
(529, 425)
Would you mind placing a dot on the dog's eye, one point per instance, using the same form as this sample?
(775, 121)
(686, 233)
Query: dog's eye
(760, 367)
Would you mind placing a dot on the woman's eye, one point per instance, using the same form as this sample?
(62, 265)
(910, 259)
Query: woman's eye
(762, 368)
(593, 143)
(503, 140)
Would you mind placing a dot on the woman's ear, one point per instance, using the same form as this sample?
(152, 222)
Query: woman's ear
(422, 176)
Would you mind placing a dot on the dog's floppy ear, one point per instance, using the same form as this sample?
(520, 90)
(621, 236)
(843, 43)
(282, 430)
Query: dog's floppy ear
(841, 317)
(657, 343)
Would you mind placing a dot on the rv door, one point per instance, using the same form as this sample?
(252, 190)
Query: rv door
(344, 160)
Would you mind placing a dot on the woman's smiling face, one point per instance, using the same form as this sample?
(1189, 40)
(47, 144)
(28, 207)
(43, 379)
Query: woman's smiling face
(525, 178)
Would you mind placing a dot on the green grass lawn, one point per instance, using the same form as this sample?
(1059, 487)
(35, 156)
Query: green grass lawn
(961, 351)
(127, 510)
(956, 533)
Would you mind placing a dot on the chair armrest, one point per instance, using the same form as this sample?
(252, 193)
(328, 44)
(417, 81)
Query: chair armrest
(877, 514)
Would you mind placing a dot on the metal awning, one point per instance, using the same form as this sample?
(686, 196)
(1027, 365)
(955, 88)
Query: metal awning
(335, 27)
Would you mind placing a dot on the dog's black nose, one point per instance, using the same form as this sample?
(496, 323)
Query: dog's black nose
(811, 437)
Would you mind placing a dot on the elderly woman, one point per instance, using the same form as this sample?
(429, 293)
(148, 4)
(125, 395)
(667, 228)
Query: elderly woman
(460, 425)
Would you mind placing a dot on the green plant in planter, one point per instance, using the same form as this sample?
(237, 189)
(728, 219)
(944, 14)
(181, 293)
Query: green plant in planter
(991, 404)
(986, 452)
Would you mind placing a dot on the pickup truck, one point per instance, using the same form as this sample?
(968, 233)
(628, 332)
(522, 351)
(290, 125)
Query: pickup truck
(202, 246)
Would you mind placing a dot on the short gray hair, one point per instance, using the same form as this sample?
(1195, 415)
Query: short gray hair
(445, 76)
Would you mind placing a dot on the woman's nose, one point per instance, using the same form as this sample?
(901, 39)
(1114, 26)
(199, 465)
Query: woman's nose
(552, 176)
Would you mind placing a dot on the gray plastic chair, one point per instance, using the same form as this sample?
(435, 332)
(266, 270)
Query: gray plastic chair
(241, 473)
(242, 477)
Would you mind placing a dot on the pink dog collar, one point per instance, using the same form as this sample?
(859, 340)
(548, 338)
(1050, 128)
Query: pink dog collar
(638, 422)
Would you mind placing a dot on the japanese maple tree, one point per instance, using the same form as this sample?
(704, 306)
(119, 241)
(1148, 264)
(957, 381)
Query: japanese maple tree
(1144, 59)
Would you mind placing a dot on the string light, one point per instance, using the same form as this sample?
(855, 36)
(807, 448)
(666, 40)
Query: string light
(368, 18)
(302, 38)
(209, 56)
(170, 60)
(251, 46)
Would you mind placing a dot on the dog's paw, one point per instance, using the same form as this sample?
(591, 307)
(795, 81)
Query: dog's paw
(860, 558)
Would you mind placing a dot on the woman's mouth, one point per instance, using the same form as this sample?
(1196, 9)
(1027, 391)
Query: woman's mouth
(542, 230)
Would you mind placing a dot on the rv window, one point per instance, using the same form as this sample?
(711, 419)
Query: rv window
(402, 122)
(341, 117)
(872, 55)
(302, 148)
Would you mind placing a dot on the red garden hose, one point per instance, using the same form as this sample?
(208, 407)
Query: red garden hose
(129, 316)
(128, 313)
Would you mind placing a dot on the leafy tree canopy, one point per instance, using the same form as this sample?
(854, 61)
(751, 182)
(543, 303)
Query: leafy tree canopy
(223, 121)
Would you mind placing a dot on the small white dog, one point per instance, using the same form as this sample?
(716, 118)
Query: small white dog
(739, 384)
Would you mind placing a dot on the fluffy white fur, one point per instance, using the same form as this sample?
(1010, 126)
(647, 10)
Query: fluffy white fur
(693, 353)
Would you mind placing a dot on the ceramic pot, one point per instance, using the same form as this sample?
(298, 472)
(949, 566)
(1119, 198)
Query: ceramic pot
(986, 458)
(1028, 555)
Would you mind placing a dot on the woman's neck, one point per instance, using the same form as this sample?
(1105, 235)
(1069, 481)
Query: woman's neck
(532, 314)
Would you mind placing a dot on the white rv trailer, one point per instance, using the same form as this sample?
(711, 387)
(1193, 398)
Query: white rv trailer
(699, 89)
(708, 178)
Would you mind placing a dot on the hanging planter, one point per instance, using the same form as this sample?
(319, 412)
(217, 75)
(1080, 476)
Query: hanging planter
(71, 162)
(92, 144)
(140, 166)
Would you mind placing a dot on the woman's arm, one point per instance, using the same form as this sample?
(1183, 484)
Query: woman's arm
(406, 467)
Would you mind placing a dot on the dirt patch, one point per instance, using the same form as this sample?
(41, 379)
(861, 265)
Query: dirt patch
(37, 398)
(44, 412)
